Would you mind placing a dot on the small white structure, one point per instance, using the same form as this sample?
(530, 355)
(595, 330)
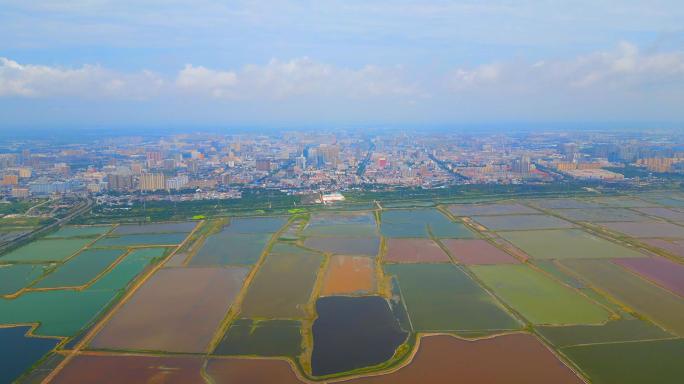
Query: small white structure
(331, 197)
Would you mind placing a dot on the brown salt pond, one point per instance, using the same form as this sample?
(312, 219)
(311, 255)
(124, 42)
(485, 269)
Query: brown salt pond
(117, 369)
(176, 310)
(415, 251)
(668, 274)
(477, 252)
(508, 359)
(251, 371)
(349, 275)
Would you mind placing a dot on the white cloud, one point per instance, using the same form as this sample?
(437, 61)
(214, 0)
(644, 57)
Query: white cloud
(295, 78)
(275, 80)
(202, 80)
(88, 81)
(624, 68)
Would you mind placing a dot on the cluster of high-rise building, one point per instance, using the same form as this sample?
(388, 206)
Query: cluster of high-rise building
(307, 162)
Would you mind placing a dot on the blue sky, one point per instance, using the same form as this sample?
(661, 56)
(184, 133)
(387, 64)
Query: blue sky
(201, 62)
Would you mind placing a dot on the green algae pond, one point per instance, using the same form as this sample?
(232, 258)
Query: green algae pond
(444, 298)
(538, 298)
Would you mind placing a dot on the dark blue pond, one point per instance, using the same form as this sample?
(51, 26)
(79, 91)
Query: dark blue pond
(353, 332)
(19, 353)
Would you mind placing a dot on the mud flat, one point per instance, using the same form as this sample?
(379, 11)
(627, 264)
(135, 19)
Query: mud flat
(282, 286)
(507, 359)
(348, 275)
(176, 310)
(415, 251)
(477, 252)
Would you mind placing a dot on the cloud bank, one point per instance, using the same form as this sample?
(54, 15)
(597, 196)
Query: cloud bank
(624, 81)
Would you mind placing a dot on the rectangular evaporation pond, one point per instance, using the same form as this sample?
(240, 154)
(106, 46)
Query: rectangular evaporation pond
(445, 298)
(60, 313)
(78, 231)
(367, 246)
(282, 286)
(415, 223)
(255, 224)
(658, 361)
(602, 214)
(225, 248)
(176, 310)
(566, 244)
(665, 213)
(80, 269)
(662, 307)
(20, 352)
(129, 229)
(46, 250)
(66, 312)
(565, 203)
(491, 209)
(477, 251)
(14, 277)
(611, 332)
(142, 240)
(663, 272)
(539, 298)
(622, 202)
(262, 338)
(343, 225)
(647, 229)
(127, 269)
(522, 222)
